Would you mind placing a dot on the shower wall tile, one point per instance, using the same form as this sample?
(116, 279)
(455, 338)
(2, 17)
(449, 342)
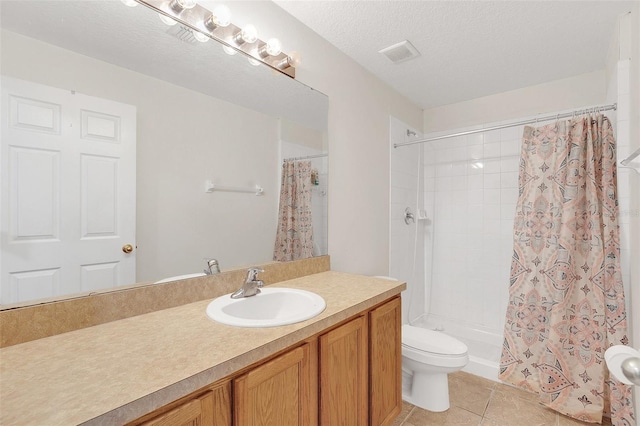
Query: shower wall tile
(510, 147)
(475, 182)
(492, 150)
(508, 179)
(492, 180)
(510, 164)
(475, 139)
(491, 137)
(492, 166)
(475, 151)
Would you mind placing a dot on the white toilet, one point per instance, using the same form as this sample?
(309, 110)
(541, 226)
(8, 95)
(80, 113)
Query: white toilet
(427, 357)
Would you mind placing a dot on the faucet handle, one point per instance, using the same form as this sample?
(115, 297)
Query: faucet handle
(213, 267)
(252, 274)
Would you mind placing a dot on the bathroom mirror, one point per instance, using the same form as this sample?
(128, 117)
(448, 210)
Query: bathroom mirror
(201, 120)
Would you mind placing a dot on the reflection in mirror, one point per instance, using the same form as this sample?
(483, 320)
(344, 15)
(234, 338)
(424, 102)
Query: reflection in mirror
(117, 125)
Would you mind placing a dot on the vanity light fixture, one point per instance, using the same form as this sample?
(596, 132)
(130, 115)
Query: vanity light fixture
(167, 20)
(254, 61)
(216, 24)
(229, 50)
(249, 34)
(290, 61)
(202, 38)
(272, 47)
(180, 5)
(221, 17)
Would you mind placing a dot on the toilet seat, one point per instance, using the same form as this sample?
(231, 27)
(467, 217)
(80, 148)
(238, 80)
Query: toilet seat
(433, 342)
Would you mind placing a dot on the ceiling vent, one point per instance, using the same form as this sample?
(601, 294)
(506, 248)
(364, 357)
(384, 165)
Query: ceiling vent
(182, 33)
(400, 52)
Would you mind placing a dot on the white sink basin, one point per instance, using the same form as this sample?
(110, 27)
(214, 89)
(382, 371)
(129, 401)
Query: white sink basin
(270, 308)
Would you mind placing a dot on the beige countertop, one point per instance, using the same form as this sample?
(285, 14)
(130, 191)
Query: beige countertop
(115, 372)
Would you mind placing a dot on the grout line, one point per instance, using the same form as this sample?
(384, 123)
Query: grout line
(408, 415)
(488, 402)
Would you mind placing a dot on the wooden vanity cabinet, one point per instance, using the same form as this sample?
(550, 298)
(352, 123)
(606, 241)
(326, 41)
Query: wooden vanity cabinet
(385, 363)
(344, 375)
(348, 375)
(279, 392)
(209, 407)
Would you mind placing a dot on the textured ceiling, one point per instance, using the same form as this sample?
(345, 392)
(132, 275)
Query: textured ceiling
(469, 49)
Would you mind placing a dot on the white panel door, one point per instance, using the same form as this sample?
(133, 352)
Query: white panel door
(67, 204)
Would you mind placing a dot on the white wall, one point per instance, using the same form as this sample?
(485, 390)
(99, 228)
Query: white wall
(183, 138)
(558, 95)
(359, 110)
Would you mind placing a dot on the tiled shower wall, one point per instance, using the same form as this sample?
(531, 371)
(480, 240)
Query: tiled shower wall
(471, 191)
(470, 194)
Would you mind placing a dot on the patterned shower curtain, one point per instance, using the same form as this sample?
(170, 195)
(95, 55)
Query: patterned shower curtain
(294, 238)
(566, 299)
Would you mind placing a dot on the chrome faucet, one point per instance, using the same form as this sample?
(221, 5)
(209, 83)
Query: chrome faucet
(251, 285)
(212, 267)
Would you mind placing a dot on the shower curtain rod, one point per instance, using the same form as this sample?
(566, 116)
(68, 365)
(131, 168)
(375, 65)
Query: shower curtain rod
(305, 157)
(505, 126)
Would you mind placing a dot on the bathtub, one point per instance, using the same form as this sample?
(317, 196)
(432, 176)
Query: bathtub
(485, 345)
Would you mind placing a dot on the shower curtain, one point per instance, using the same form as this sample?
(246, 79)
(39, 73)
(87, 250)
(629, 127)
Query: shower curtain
(294, 237)
(566, 299)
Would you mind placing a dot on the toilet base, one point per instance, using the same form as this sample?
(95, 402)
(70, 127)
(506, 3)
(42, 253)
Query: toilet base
(429, 391)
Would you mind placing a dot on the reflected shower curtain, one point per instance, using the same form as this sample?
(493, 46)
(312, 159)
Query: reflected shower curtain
(294, 238)
(566, 299)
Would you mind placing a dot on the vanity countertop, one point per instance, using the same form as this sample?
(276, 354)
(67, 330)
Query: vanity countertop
(116, 372)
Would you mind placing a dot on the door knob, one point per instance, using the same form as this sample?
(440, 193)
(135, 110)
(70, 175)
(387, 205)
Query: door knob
(127, 248)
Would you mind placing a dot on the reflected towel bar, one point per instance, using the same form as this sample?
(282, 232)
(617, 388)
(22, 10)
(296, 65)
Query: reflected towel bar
(209, 186)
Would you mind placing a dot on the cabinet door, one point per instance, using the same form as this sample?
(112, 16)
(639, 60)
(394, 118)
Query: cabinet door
(343, 374)
(385, 363)
(197, 412)
(278, 392)
(213, 408)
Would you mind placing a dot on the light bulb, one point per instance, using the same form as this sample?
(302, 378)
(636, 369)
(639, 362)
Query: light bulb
(253, 61)
(184, 4)
(130, 3)
(229, 50)
(222, 16)
(273, 47)
(166, 19)
(200, 37)
(293, 60)
(249, 34)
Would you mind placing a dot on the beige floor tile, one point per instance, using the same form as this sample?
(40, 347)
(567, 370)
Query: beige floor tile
(491, 422)
(454, 416)
(469, 396)
(406, 409)
(519, 392)
(471, 380)
(508, 408)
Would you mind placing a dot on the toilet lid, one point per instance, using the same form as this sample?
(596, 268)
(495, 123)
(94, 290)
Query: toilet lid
(431, 341)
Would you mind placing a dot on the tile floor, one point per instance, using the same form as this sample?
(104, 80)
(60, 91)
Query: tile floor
(480, 402)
